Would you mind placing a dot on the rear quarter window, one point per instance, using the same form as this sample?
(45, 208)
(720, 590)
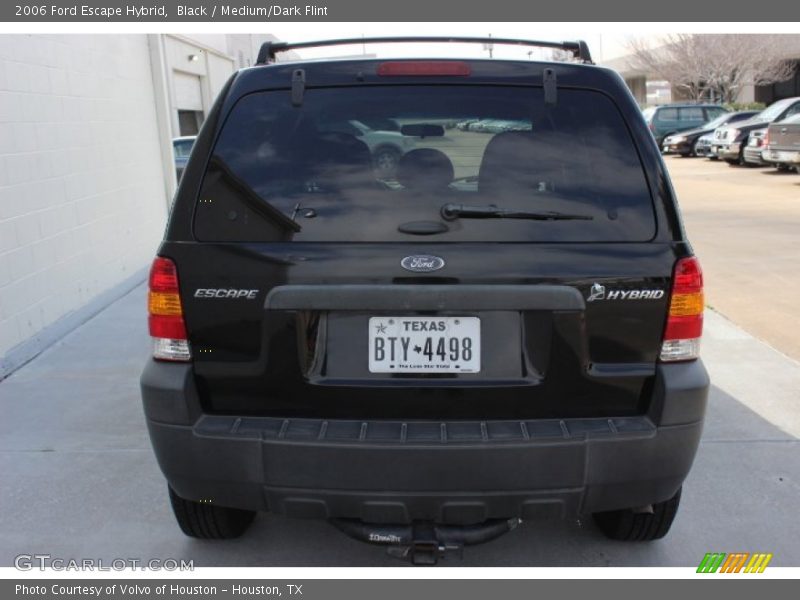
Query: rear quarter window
(378, 163)
(667, 114)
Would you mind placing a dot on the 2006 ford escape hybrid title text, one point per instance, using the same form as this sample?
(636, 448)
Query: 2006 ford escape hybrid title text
(425, 299)
(107, 12)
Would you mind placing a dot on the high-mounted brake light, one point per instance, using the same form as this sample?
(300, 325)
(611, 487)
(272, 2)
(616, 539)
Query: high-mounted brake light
(423, 68)
(165, 314)
(685, 319)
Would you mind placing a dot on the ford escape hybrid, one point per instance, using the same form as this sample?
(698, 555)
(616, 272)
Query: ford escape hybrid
(503, 324)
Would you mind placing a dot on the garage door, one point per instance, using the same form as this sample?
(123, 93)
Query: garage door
(187, 92)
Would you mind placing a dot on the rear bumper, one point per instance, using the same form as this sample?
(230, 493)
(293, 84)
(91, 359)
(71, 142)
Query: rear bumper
(729, 151)
(450, 472)
(677, 148)
(787, 157)
(752, 155)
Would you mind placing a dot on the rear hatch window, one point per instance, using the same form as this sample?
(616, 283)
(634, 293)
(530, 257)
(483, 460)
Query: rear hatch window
(378, 163)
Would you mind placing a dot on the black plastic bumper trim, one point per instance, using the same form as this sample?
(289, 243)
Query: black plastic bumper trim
(424, 297)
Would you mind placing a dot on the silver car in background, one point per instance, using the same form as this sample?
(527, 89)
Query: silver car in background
(782, 147)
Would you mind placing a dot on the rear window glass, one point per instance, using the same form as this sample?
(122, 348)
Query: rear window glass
(379, 163)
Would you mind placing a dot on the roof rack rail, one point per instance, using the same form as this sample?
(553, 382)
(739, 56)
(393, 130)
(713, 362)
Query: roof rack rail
(269, 50)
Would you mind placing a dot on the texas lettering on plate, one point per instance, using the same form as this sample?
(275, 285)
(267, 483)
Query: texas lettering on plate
(424, 345)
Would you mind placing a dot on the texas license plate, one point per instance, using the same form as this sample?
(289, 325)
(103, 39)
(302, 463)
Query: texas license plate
(424, 345)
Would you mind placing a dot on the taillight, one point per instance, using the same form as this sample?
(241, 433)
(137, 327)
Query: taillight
(165, 313)
(685, 319)
(765, 141)
(424, 68)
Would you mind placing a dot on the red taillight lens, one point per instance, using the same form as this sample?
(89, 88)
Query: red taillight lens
(765, 141)
(165, 313)
(685, 319)
(428, 68)
(163, 276)
(162, 326)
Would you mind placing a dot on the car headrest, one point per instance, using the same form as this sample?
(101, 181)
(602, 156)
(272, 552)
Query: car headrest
(340, 160)
(425, 170)
(523, 160)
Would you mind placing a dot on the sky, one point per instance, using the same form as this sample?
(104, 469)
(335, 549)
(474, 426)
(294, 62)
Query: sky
(604, 46)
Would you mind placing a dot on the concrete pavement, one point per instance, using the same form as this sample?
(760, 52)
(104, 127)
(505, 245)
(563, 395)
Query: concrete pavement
(79, 477)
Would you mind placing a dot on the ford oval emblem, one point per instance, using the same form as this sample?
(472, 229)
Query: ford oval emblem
(422, 263)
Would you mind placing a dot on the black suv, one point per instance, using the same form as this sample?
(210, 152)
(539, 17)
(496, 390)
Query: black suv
(505, 326)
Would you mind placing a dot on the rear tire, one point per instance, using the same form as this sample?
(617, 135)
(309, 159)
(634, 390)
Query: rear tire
(629, 526)
(208, 521)
(742, 161)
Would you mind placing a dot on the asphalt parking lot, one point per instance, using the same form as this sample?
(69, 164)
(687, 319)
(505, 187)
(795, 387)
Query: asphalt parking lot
(80, 480)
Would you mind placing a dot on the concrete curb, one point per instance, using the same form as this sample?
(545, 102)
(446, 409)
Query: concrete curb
(26, 351)
(756, 374)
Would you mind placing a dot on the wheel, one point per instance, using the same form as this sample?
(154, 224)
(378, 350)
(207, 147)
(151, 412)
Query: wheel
(739, 160)
(783, 168)
(386, 159)
(694, 148)
(630, 526)
(208, 521)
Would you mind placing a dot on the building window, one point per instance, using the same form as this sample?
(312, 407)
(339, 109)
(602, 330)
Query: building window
(189, 121)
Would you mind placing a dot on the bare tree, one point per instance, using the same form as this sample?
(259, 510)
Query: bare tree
(737, 60)
(677, 58)
(718, 63)
(559, 55)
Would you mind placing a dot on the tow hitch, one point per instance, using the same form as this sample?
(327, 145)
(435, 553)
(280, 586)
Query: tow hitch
(425, 542)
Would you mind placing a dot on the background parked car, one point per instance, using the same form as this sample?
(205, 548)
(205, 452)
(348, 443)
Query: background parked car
(672, 118)
(704, 146)
(752, 151)
(782, 144)
(181, 149)
(385, 141)
(493, 125)
(731, 140)
(686, 143)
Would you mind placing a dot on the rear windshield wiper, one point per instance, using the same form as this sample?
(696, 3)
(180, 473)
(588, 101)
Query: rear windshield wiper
(451, 212)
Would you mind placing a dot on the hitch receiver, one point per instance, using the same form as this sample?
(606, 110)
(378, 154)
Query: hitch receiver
(425, 542)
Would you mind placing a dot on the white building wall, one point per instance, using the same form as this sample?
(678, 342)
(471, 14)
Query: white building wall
(82, 196)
